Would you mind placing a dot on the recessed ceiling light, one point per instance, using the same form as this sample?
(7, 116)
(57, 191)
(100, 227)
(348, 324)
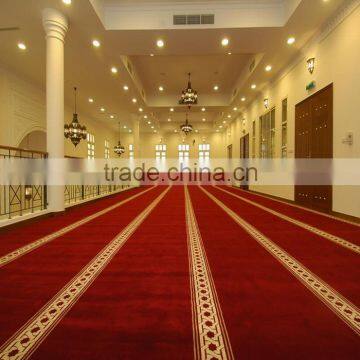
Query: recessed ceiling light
(125, 126)
(112, 116)
(91, 100)
(243, 99)
(229, 116)
(125, 87)
(220, 127)
(203, 109)
(96, 43)
(149, 122)
(253, 86)
(225, 42)
(268, 68)
(235, 108)
(21, 46)
(291, 40)
(155, 131)
(152, 127)
(160, 43)
(67, 2)
(203, 119)
(130, 130)
(229, 53)
(151, 55)
(216, 87)
(114, 70)
(145, 116)
(102, 109)
(196, 131)
(175, 131)
(169, 119)
(141, 109)
(171, 109)
(224, 122)
(161, 88)
(134, 100)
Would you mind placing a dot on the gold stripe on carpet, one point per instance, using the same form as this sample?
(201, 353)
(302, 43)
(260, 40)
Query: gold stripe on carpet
(211, 340)
(25, 341)
(335, 239)
(269, 197)
(6, 259)
(341, 306)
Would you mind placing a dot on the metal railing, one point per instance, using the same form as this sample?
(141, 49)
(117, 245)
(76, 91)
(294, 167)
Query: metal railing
(17, 200)
(77, 193)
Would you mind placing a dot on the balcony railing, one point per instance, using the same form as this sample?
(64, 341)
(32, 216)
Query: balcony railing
(22, 199)
(18, 200)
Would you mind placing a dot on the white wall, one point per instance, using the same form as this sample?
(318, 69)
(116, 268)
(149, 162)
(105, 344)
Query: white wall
(337, 61)
(23, 111)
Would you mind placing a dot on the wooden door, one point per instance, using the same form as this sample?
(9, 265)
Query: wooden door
(314, 140)
(244, 155)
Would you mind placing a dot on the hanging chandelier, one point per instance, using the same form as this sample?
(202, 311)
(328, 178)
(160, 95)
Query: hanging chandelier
(189, 96)
(186, 128)
(74, 131)
(119, 149)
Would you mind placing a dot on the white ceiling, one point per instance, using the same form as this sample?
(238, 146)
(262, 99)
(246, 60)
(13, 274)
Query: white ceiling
(195, 50)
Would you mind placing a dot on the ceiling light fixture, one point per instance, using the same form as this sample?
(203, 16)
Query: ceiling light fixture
(169, 119)
(149, 122)
(253, 86)
(125, 87)
(235, 108)
(112, 116)
(160, 43)
(268, 68)
(216, 87)
(161, 88)
(229, 53)
(96, 43)
(141, 109)
(243, 99)
(186, 128)
(203, 109)
(114, 70)
(145, 116)
(311, 65)
(134, 100)
(189, 96)
(291, 40)
(119, 149)
(203, 119)
(172, 109)
(91, 100)
(229, 116)
(74, 131)
(102, 109)
(225, 42)
(67, 2)
(21, 46)
(151, 55)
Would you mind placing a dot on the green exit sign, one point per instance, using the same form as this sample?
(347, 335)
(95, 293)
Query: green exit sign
(311, 86)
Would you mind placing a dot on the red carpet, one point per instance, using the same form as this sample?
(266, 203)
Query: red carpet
(332, 225)
(143, 301)
(11, 239)
(268, 313)
(29, 282)
(139, 308)
(336, 265)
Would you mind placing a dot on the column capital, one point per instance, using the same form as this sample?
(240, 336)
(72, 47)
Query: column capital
(55, 24)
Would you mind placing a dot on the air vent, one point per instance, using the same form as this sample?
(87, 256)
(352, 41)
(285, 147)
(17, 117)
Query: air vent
(205, 19)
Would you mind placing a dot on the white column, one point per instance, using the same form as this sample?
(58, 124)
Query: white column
(56, 26)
